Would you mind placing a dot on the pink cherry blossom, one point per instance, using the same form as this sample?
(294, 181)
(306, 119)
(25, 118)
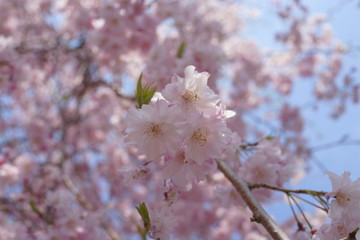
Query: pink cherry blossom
(337, 229)
(76, 156)
(155, 129)
(182, 170)
(162, 222)
(346, 194)
(192, 92)
(204, 138)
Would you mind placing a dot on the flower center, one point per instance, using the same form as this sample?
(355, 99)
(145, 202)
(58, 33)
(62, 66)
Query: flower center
(342, 197)
(200, 136)
(190, 98)
(153, 130)
(341, 229)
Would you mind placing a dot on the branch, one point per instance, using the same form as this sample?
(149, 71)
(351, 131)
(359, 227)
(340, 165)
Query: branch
(259, 214)
(86, 205)
(72, 188)
(341, 142)
(303, 191)
(69, 183)
(116, 90)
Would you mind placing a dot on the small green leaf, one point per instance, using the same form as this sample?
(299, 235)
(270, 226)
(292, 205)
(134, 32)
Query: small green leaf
(181, 50)
(34, 208)
(144, 213)
(144, 94)
(139, 92)
(66, 97)
(148, 96)
(269, 138)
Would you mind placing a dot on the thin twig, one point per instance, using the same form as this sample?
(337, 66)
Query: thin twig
(338, 143)
(116, 90)
(293, 210)
(301, 211)
(259, 214)
(302, 191)
(86, 205)
(311, 203)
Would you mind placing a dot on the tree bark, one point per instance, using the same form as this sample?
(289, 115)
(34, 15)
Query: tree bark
(259, 214)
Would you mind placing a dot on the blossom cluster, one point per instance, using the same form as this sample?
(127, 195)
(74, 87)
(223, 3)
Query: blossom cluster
(65, 68)
(345, 208)
(342, 219)
(271, 165)
(183, 128)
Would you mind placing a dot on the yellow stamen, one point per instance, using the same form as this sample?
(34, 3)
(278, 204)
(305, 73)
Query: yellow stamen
(200, 137)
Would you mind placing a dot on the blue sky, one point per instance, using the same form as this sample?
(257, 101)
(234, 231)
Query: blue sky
(344, 16)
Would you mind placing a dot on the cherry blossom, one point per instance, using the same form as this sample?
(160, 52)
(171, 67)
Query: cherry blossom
(77, 155)
(162, 223)
(156, 129)
(182, 170)
(204, 138)
(192, 92)
(346, 194)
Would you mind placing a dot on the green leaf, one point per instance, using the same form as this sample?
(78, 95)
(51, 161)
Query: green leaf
(66, 97)
(148, 96)
(139, 92)
(144, 213)
(181, 50)
(34, 208)
(269, 138)
(144, 94)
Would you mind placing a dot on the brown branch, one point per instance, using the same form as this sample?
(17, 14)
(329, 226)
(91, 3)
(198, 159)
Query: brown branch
(116, 90)
(322, 207)
(259, 214)
(86, 205)
(338, 143)
(80, 198)
(71, 186)
(301, 191)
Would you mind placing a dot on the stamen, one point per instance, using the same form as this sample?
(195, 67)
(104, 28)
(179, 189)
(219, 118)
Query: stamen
(153, 130)
(190, 98)
(340, 196)
(200, 137)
